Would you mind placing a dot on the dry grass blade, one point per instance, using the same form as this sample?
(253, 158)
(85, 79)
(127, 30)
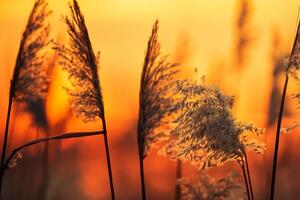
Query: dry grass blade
(79, 60)
(71, 135)
(30, 80)
(206, 134)
(208, 188)
(156, 101)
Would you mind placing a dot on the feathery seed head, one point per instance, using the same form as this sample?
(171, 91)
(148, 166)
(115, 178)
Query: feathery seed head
(208, 188)
(30, 80)
(156, 101)
(79, 60)
(294, 62)
(206, 134)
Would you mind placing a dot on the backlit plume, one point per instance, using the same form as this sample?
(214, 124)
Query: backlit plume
(30, 80)
(79, 60)
(206, 134)
(156, 101)
(208, 188)
(294, 62)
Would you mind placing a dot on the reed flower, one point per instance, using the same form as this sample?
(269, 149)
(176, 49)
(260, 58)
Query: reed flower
(30, 80)
(156, 100)
(37, 107)
(244, 32)
(82, 65)
(205, 132)
(208, 188)
(294, 60)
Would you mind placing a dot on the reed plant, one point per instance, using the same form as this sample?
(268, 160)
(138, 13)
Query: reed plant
(187, 120)
(156, 103)
(206, 134)
(30, 81)
(82, 65)
(205, 187)
(292, 67)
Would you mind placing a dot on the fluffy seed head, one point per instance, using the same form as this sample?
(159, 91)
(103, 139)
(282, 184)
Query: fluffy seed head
(79, 60)
(156, 101)
(205, 132)
(208, 188)
(30, 80)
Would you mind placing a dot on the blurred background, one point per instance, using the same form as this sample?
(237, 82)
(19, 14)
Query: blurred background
(237, 44)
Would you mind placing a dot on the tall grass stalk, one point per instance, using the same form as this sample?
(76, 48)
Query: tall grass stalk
(142, 176)
(5, 142)
(82, 65)
(281, 110)
(242, 165)
(156, 103)
(29, 81)
(108, 159)
(178, 176)
(248, 175)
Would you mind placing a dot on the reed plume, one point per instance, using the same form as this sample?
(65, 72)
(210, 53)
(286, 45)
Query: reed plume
(244, 35)
(155, 100)
(205, 187)
(292, 66)
(29, 81)
(205, 132)
(82, 65)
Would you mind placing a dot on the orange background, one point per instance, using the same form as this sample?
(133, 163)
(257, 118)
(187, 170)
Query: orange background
(197, 33)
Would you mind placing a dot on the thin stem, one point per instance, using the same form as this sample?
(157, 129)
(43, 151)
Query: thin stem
(274, 168)
(141, 159)
(5, 140)
(248, 175)
(45, 170)
(108, 160)
(6, 131)
(245, 178)
(46, 139)
(40, 140)
(178, 176)
(1, 181)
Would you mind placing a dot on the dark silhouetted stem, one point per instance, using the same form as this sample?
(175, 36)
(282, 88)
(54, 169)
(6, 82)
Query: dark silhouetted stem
(40, 140)
(45, 170)
(5, 141)
(280, 115)
(178, 176)
(141, 159)
(245, 178)
(1, 176)
(274, 168)
(248, 175)
(46, 139)
(108, 160)
(6, 131)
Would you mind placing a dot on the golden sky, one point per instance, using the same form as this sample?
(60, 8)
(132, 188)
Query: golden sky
(120, 30)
